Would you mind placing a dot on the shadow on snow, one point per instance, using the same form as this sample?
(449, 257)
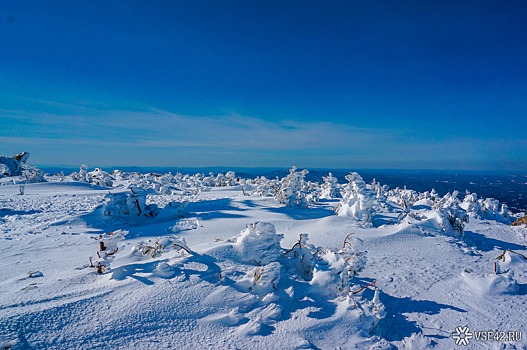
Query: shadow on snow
(303, 214)
(487, 244)
(395, 326)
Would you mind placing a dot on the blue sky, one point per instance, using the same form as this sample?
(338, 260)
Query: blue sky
(334, 84)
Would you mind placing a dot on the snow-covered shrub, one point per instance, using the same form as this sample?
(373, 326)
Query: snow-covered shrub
(357, 200)
(209, 181)
(258, 244)
(508, 261)
(99, 177)
(231, 178)
(109, 245)
(335, 271)
(33, 174)
(302, 257)
(83, 173)
(292, 190)
(264, 187)
(380, 192)
(330, 272)
(265, 279)
(155, 247)
(220, 181)
(131, 203)
(80, 176)
(486, 209)
(166, 184)
(470, 203)
(452, 213)
(457, 217)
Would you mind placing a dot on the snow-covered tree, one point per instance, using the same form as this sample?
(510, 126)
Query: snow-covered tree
(292, 190)
(357, 200)
(264, 187)
(330, 188)
(450, 210)
(83, 173)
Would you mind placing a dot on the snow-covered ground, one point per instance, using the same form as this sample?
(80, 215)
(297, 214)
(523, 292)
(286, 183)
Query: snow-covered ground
(149, 262)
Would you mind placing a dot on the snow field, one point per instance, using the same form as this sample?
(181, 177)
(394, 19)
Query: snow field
(178, 261)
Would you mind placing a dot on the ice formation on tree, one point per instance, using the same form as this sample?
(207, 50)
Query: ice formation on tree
(16, 166)
(330, 188)
(357, 200)
(263, 186)
(451, 212)
(293, 191)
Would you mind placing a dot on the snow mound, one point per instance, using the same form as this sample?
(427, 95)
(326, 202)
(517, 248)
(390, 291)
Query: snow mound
(258, 244)
(490, 284)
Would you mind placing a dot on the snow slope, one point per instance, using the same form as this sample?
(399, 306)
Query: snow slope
(219, 267)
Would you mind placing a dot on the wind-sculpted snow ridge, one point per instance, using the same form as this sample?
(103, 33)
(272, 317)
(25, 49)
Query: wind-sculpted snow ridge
(99, 260)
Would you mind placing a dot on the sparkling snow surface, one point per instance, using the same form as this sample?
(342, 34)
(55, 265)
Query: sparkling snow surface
(237, 289)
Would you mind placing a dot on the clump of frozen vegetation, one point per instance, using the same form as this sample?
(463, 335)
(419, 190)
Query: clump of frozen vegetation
(294, 191)
(288, 276)
(330, 188)
(133, 203)
(81, 175)
(486, 209)
(33, 174)
(99, 177)
(263, 186)
(109, 245)
(258, 244)
(358, 201)
(450, 210)
(330, 272)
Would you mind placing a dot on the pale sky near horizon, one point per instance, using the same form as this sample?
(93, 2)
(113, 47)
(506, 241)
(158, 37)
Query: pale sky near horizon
(338, 84)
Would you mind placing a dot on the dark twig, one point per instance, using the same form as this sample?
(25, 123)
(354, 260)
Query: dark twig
(347, 241)
(181, 247)
(372, 284)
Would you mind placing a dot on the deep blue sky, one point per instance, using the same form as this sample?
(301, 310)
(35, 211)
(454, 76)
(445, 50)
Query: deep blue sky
(346, 84)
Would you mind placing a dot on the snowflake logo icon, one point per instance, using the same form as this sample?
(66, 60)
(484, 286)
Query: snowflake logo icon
(462, 335)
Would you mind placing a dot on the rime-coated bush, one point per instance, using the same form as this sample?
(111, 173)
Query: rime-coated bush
(99, 177)
(293, 190)
(131, 203)
(486, 209)
(357, 200)
(258, 244)
(330, 188)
